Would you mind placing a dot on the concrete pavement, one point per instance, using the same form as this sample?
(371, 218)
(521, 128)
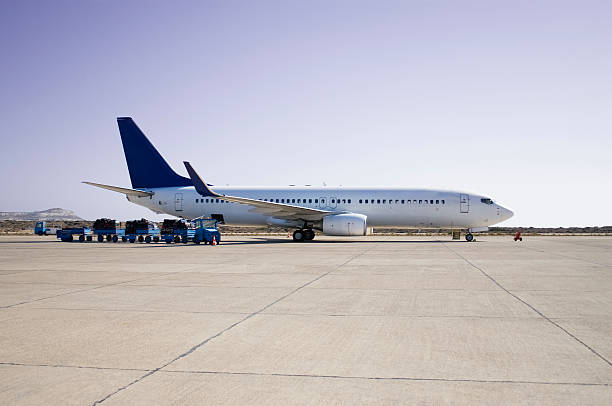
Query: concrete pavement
(340, 320)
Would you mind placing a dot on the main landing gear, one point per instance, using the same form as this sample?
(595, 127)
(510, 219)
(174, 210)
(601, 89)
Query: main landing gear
(303, 235)
(469, 237)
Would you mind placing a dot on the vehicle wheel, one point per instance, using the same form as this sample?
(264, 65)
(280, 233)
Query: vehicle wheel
(109, 237)
(45, 233)
(298, 235)
(155, 239)
(309, 235)
(100, 238)
(196, 240)
(70, 238)
(81, 238)
(140, 238)
(132, 240)
(177, 239)
(40, 233)
(89, 238)
(469, 237)
(184, 240)
(148, 239)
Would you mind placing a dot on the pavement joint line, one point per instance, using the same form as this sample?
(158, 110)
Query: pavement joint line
(551, 321)
(412, 316)
(231, 326)
(319, 376)
(72, 292)
(19, 364)
(381, 378)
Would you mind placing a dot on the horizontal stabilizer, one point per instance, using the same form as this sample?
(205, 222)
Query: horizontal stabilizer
(130, 192)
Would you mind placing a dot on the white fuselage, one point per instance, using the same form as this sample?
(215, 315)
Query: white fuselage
(384, 207)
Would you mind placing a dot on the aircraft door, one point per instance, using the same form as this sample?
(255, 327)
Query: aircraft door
(178, 202)
(464, 203)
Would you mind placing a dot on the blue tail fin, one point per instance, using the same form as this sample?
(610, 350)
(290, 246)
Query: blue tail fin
(147, 167)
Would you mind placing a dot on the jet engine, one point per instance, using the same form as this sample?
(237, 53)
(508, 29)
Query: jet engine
(345, 224)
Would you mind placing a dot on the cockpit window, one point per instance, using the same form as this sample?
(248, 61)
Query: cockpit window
(486, 200)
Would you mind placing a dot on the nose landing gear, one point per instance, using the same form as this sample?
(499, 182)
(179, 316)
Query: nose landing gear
(469, 237)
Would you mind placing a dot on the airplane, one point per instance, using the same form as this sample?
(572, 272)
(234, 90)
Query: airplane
(336, 211)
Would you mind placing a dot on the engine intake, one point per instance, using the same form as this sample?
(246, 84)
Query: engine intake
(345, 224)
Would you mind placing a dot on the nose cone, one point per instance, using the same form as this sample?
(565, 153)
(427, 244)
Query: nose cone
(506, 213)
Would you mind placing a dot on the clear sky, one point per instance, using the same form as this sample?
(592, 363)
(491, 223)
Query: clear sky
(511, 99)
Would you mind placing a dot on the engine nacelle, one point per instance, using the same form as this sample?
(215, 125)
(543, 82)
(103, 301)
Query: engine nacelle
(345, 224)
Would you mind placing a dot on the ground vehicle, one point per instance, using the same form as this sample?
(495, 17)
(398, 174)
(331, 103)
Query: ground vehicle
(41, 229)
(106, 228)
(199, 230)
(206, 231)
(177, 231)
(141, 230)
(68, 234)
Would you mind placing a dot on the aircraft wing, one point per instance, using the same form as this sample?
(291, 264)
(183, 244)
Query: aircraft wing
(130, 192)
(277, 210)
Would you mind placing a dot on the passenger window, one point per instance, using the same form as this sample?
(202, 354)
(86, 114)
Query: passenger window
(397, 201)
(277, 201)
(282, 200)
(366, 200)
(442, 201)
(361, 201)
(299, 200)
(349, 201)
(333, 200)
(309, 200)
(322, 201)
(402, 201)
(197, 200)
(316, 200)
(292, 200)
(378, 201)
(343, 200)
(431, 201)
(216, 200)
(384, 201)
(437, 202)
(420, 201)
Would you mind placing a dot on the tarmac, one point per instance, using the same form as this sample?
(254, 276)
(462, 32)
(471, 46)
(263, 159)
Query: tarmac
(264, 320)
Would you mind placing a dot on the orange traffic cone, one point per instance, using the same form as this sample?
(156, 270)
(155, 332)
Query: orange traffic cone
(214, 241)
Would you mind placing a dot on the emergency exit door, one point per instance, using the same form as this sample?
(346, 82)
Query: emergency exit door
(178, 202)
(464, 203)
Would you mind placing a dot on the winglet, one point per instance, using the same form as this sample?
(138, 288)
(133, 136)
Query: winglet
(200, 186)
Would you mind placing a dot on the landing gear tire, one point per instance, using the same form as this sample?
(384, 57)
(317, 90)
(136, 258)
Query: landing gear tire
(309, 235)
(298, 235)
(469, 237)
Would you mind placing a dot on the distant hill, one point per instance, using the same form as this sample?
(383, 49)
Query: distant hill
(55, 214)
